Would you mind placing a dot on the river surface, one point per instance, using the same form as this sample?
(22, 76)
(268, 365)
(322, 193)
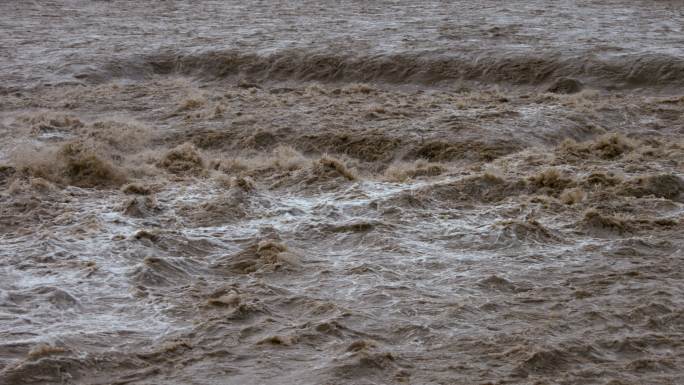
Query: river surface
(348, 192)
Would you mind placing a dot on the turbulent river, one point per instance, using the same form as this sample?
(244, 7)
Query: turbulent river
(341, 192)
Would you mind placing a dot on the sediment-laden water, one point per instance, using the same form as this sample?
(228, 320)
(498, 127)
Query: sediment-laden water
(300, 192)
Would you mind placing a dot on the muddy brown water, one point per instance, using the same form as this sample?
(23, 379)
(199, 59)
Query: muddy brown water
(300, 192)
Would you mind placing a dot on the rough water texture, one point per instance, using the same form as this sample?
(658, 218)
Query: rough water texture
(219, 192)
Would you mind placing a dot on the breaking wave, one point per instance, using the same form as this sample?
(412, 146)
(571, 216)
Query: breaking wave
(633, 70)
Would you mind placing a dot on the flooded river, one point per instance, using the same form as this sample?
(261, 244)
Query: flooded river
(300, 192)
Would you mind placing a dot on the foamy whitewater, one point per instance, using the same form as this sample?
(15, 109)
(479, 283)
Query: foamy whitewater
(319, 192)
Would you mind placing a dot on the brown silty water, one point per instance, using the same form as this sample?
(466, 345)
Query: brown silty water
(219, 192)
